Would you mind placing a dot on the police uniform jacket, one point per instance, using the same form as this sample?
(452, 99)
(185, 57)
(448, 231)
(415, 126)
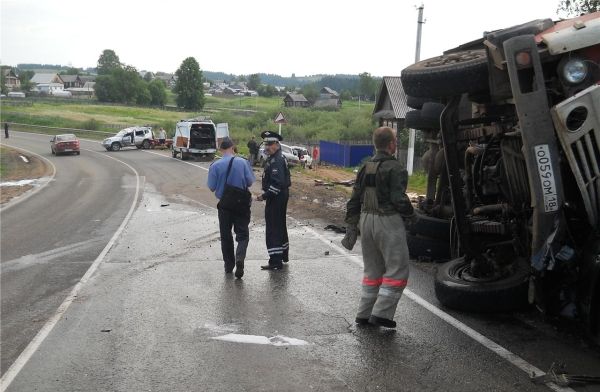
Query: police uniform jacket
(276, 176)
(391, 180)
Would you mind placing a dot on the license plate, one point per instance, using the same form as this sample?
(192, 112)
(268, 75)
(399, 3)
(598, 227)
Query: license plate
(546, 173)
(68, 150)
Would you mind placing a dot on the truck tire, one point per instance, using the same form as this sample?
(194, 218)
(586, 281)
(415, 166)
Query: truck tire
(447, 75)
(428, 226)
(426, 119)
(501, 295)
(422, 248)
(416, 102)
(115, 146)
(146, 144)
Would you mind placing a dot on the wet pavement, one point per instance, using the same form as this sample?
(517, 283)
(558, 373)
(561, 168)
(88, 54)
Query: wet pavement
(160, 314)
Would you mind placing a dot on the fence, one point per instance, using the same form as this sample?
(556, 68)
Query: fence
(346, 155)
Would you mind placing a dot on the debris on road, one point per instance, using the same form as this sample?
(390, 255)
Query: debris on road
(336, 229)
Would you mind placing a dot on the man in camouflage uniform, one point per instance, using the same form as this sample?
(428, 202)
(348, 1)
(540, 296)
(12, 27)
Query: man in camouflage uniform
(275, 185)
(378, 207)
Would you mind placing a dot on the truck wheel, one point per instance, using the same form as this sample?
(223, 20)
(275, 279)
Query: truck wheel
(146, 144)
(417, 102)
(115, 146)
(431, 227)
(456, 289)
(447, 75)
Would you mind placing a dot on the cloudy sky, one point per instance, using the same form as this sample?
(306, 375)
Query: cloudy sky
(240, 36)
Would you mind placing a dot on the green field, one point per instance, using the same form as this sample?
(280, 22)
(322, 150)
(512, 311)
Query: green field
(246, 116)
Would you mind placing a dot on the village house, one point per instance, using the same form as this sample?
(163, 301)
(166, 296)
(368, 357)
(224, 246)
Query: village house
(328, 98)
(295, 100)
(390, 105)
(11, 79)
(71, 81)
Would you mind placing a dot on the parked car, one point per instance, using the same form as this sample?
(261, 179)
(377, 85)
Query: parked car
(139, 137)
(64, 144)
(286, 151)
(16, 94)
(304, 156)
(518, 114)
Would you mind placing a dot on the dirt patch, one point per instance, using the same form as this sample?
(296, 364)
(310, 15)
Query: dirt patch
(310, 199)
(15, 168)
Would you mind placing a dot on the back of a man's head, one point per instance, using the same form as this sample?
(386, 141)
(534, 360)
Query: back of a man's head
(382, 137)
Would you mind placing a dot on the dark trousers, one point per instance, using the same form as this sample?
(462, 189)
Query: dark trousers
(239, 222)
(276, 228)
(6, 132)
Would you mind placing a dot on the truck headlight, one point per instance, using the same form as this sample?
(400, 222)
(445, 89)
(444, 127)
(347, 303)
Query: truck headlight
(575, 71)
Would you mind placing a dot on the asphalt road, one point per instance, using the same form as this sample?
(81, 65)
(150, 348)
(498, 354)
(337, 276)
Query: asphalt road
(159, 314)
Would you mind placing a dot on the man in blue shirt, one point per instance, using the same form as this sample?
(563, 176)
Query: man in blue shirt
(240, 176)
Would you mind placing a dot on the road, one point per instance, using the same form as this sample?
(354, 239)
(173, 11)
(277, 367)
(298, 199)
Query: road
(159, 314)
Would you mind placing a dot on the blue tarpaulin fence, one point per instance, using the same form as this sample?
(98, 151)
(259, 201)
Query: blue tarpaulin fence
(346, 155)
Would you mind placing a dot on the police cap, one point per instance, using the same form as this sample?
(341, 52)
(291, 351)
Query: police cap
(269, 136)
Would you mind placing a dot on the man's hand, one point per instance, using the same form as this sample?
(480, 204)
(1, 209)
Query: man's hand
(259, 198)
(350, 237)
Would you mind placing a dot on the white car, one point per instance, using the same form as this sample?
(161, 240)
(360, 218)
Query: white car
(286, 151)
(304, 156)
(139, 137)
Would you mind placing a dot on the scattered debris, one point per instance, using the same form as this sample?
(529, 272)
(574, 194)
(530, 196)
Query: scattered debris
(345, 183)
(105, 330)
(326, 253)
(164, 205)
(564, 379)
(322, 183)
(336, 229)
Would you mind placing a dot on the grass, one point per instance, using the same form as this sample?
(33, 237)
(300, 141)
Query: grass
(3, 168)
(417, 183)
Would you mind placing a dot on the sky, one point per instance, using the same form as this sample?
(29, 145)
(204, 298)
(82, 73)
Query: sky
(282, 37)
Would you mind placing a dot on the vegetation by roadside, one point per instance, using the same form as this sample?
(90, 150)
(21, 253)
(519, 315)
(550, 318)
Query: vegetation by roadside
(14, 168)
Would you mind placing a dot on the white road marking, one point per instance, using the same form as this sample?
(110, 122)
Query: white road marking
(512, 358)
(35, 343)
(24, 159)
(32, 181)
(278, 341)
(35, 190)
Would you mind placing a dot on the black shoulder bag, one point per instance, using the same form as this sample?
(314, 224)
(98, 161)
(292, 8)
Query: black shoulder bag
(234, 199)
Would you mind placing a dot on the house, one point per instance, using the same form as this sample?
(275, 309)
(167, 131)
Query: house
(390, 105)
(295, 100)
(87, 78)
(87, 91)
(229, 91)
(46, 78)
(329, 93)
(71, 81)
(11, 79)
(50, 88)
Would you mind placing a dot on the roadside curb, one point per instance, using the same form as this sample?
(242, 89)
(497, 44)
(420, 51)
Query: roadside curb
(47, 163)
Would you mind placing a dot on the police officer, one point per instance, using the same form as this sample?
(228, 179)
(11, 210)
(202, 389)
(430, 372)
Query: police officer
(378, 206)
(275, 185)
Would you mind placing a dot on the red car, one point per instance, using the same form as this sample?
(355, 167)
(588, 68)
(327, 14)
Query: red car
(64, 144)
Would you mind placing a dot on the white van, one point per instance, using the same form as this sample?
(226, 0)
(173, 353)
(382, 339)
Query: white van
(198, 138)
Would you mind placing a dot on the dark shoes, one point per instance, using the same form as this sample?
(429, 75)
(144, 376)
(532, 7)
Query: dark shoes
(362, 321)
(239, 269)
(271, 267)
(381, 322)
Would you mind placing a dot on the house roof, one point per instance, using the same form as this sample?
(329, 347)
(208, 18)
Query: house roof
(89, 84)
(391, 99)
(69, 78)
(45, 78)
(327, 90)
(9, 72)
(296, 97)
(87, 78)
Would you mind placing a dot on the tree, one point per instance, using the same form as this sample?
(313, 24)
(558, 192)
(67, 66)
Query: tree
(25, 79)
(143, 96)
(148, 76)
(3, 87)
(108, 61)
(157, 92)
(253, 81)
(122, 85)
(578, 7)
(189, 88)
(310, 92)
(367, 85)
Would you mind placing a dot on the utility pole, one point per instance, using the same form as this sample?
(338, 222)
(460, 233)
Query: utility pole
(412, 133)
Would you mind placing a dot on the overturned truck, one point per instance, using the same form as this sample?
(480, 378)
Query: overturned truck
(513, 122)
